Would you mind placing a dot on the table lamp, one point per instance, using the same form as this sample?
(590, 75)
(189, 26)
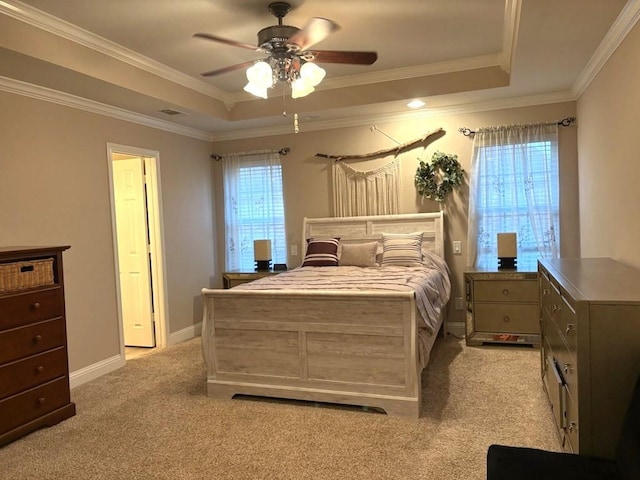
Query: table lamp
(262, 254)
(507, 251)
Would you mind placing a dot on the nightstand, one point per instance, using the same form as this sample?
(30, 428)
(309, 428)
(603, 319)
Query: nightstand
(502, 307)
(236, 277)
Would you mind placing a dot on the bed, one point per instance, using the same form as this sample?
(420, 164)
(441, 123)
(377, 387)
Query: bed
(337, 340)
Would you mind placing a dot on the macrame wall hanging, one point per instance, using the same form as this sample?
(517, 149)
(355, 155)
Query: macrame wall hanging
(374, 192)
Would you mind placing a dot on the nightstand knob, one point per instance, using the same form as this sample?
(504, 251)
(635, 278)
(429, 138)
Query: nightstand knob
(39, 369)
(505, 291)
(506, 319)
(37, 338)
(41, 400)
(35, 306)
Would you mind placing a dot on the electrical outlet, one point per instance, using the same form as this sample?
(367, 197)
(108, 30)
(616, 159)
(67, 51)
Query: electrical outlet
(459, 303)
(457, 247)
(293, 249)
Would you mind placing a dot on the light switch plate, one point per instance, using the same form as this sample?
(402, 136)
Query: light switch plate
(457, 247)
(294, 250)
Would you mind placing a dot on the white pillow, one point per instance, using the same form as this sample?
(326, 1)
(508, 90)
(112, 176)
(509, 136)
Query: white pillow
(359, 254)
(402, 249)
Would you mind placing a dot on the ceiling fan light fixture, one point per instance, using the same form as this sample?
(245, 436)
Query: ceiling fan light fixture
(257, 90)
(301, 88)
(312, 73)
(260, 74)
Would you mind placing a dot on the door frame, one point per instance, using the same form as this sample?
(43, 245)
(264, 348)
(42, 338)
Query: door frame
(151, 160)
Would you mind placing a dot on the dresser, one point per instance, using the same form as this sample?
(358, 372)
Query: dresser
(34, 370)
(502, 306)
(590, 349)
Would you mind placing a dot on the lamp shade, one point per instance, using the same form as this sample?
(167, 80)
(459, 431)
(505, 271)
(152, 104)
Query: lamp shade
(262, 250)
(507, 245)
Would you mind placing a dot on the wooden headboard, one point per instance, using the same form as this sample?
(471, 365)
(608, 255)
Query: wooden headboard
(358, 229)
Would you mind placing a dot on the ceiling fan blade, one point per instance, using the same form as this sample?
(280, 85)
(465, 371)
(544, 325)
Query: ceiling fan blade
(316, 30)
(226, 41)
(356, 58)
(228, 69)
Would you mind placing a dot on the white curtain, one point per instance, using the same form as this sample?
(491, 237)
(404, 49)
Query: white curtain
(514, 187)
(357, 193)
(253, 207)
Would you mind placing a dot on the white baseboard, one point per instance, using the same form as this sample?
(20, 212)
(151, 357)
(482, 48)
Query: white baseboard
(110, 364)
(456, 329)
(185, 334)
(96, 370)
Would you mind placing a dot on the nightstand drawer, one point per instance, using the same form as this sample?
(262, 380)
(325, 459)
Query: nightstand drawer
(26, 308)
(25, 341)
(26, 406)
(505, 317)
(29, 372)
(505, 290)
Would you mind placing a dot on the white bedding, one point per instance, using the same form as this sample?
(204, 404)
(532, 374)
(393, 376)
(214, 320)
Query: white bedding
(430, 282)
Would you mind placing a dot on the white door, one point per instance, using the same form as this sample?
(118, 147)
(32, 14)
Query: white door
(133, 253)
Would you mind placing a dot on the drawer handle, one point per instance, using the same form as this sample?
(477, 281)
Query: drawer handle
(567, 368)
(39, 369)
(545, 292)
(570, 328)
(507, 319)
(37, 338)
(571, 426)
(41, 400)
(35, 306)
(505, 292)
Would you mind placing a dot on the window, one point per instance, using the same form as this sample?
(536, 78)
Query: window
(254, 207)
(514, 188)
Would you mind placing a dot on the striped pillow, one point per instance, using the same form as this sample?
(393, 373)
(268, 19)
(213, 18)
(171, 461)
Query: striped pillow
(402, 249)
(321, 252)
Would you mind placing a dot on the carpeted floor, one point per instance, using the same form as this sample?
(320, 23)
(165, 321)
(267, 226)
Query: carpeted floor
(152, 420)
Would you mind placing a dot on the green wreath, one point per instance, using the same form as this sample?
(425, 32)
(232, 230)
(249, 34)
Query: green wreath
(437, 179)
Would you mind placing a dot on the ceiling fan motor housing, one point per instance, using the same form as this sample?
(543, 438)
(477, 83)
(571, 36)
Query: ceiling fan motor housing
(276, 36)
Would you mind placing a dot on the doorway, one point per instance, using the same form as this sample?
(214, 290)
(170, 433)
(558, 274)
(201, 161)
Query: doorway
(134, 181)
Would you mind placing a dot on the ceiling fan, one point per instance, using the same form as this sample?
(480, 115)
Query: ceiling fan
(290, 58)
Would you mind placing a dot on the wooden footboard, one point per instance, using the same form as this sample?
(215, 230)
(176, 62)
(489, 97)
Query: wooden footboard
(349, 347)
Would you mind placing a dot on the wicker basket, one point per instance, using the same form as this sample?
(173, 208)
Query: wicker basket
(24, 275)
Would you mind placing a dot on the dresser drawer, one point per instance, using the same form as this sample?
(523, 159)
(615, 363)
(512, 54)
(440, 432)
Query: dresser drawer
(26, 308)
(572, 437)
(565, 360)
(567, 322)
(26, 406)
(506, 317)
(32, 371)
(25, 341)
(505, 291)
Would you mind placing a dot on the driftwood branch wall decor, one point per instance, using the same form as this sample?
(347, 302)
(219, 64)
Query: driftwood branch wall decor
(425, 139)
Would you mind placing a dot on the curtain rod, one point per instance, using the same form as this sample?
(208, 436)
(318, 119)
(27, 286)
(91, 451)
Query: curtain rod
(565, 122)
(282, 151)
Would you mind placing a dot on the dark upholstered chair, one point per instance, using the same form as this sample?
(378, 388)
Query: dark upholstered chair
(518, 463)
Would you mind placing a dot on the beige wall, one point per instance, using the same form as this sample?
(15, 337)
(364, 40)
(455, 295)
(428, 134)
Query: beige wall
(307, 179)
(609, 162)
(54, 189)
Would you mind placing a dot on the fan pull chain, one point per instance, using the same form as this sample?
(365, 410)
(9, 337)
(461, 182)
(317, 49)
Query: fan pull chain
(295, 123)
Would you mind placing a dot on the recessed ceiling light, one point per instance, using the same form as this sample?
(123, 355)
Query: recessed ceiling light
(416, 104)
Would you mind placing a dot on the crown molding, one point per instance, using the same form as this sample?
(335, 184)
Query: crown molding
(472, 107)
(512, 10)
(56, 26)
(42, 93)
(617, 33)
